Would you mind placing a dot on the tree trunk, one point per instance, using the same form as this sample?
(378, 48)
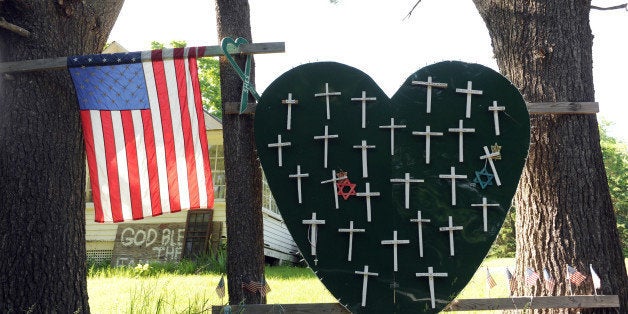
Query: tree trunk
(42, 166)
(564, 210)
(245, 241)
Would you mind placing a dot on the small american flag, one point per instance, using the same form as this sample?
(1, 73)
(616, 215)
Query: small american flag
(489, 279)
(512, 282)
(220, 289)
(575, 276)
(597, 282)
(253, 286)
(144, 132)
(548, 280)
(265, 287)
(531, 276)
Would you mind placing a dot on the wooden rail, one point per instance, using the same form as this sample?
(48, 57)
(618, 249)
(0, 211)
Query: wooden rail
(564, 107)
(553, 302)
(210, 51)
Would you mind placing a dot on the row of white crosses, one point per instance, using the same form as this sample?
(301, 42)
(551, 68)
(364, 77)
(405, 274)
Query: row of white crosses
(450, 228)
(314, 222)
(363, 99)
(406, 180)
(364, 146)
(469, 91)
(430, 275)
(419, 221)
(429, 84)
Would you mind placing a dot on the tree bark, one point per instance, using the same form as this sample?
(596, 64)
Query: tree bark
(42, 167)
(564, 210)
(245, 241)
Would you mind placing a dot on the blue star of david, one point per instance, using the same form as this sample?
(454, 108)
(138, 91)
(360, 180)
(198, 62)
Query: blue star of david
(483, 178)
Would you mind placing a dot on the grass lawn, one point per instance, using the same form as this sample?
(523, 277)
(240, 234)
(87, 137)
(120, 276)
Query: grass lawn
(130, 292)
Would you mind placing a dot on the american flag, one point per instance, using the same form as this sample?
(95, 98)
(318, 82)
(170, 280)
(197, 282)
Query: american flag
(253, 286)
(575, 276)
(531, 276)
(548, 280)
(265, 287)
(144, 132)
(489, 279)
(597, 282)
(220, 288)
(512, 282)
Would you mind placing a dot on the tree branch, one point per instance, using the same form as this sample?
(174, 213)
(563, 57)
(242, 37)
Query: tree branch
(412, 10)
(14, 28)
(621, 6)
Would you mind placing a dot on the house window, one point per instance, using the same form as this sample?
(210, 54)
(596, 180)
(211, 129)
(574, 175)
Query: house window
(217, 162)
(268, 201)
(88, 186)
(197, 232)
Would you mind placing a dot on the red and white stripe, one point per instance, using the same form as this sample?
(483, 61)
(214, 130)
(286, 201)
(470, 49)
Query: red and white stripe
(147, 162)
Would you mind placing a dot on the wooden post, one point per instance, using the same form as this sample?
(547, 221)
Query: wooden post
(207, 51)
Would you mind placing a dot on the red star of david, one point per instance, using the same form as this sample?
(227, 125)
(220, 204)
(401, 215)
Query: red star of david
(344, 187)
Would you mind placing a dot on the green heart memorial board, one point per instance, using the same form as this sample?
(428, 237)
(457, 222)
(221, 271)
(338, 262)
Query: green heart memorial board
(393, 202)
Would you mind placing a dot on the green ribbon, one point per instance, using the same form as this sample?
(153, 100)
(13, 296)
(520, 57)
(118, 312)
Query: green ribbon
(247, 87)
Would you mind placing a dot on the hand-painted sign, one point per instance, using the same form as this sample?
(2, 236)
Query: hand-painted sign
(144, 243)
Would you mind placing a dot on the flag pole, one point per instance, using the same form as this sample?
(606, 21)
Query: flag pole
(592, 272)
(208, 51)
(569, 281)
(488, 286)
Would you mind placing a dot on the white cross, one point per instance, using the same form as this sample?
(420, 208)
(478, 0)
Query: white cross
(365, 281)
(326, 137)
(364, 99)
(364, 147)
(451, 228)
(488, 155)
(431, 274)
(327, 94)
(395, 242)
(429, 85)
(496, 109)
(298, 176)
(392, 128)
(406, 180)
(428, 133)
(453, 176)
(419, 221)
(367, 194)
(469, 91)
(333, 181)
(484, 213)
(289, 102)
(461, 130)
(313, 227)
(351, 230)
(279, 145)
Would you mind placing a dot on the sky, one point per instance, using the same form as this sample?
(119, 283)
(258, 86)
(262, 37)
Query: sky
(373, 36)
